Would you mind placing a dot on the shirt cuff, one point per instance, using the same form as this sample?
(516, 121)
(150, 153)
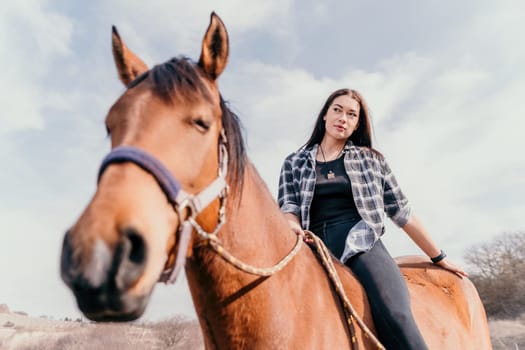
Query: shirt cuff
(402, 216)
(291, 208)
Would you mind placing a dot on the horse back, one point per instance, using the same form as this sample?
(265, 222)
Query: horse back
(447, 308)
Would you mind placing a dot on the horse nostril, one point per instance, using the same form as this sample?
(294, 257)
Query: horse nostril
(129, 257)
(137, 252)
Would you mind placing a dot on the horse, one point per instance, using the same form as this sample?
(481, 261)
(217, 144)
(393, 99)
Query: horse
(178, 191)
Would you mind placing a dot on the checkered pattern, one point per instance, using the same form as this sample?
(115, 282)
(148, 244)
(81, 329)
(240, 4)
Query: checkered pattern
(374, 187)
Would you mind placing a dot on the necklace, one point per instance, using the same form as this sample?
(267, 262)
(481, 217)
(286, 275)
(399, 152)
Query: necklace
(330, 175)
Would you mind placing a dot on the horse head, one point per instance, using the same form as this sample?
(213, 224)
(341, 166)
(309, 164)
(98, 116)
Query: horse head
(169, 143)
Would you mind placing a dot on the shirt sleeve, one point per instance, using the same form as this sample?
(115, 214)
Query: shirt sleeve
(396, 204)
(288, 198)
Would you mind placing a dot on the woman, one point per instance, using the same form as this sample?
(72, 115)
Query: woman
(339, 187)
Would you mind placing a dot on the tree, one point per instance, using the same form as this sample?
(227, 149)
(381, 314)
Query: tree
(497, 268)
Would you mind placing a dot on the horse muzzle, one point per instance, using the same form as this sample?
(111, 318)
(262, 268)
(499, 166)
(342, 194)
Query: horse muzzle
(102, 284)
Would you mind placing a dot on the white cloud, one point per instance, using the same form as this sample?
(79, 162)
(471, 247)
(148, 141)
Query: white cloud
(179, 26)
(31, 39)
(241, 16)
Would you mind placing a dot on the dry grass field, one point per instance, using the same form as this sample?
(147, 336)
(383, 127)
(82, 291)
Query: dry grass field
(508, 334)
(21, 332)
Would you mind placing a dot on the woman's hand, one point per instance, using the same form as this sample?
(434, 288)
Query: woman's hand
(298, 230)
(296, 227)
(293, 221)
(447, 265)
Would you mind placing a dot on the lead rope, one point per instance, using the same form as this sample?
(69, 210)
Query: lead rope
(350, 312)
(216, 245)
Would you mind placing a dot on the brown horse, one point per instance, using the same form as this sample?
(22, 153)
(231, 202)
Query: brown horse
(178, 187)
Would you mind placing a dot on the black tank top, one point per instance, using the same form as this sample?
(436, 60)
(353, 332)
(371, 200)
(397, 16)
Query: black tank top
(333, 200)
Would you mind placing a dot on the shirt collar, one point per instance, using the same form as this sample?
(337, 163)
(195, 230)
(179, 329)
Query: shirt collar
(312, 151)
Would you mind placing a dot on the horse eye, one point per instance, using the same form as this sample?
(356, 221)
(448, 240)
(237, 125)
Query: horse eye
(201, 124)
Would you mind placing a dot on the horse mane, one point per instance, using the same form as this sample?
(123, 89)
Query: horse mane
(181, 77)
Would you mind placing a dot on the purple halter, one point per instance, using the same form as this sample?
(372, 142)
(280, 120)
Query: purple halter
(124, 154)
(177, 197)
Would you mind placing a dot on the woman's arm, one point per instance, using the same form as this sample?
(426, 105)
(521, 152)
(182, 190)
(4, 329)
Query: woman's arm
(417, 232)
(397, 208)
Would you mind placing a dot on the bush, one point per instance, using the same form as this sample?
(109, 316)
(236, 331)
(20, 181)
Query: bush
(497, 269)
(178, 333)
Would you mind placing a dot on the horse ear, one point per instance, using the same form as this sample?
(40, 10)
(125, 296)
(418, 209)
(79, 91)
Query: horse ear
(129, 65)
(215, 47)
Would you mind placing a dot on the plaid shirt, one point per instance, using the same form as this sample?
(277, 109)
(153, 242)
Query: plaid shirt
(374, 188)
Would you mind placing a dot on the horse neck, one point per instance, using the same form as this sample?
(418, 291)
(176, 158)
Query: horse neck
(256, 233)
(256, 229)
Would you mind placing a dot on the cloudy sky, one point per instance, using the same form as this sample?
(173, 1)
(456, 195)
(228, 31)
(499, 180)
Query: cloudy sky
(445, 82)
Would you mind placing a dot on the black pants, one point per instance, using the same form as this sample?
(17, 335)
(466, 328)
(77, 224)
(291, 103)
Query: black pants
(387, 293)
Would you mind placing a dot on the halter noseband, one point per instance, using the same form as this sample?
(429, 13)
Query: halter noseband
(179, 199)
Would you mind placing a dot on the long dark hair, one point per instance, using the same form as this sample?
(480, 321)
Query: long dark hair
(362, 136)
